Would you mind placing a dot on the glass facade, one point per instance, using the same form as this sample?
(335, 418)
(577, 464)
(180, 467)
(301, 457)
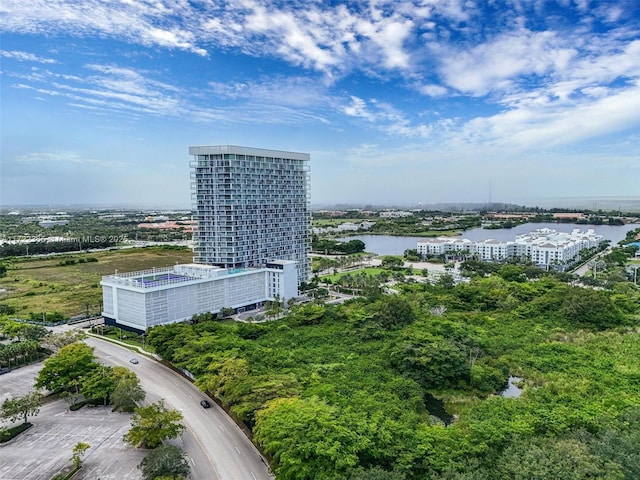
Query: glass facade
(252, 207)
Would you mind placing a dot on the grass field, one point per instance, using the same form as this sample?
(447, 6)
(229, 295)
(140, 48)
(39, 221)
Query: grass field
(334, 222)
(368, 270)
(43, 285)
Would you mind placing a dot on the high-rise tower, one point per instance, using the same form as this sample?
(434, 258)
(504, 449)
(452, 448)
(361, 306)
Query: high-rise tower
(252, 206)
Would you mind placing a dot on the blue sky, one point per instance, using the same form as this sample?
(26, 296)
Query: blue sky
(398, 102)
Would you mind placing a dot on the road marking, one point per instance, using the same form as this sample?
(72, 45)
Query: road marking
(221, 427)
(254, 477)
(181, 441)
(194, 463)
(237, 449)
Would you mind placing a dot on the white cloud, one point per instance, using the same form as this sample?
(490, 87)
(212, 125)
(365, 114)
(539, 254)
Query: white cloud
(134, 21)
(432, 90)
(26, 57)
(499, 64)
(299, 92)
(58, 158)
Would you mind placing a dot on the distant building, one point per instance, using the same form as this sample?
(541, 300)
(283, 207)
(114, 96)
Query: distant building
(395, 214)
(544, 247)
(569, 216)
(52, 223)
(344, 227)
(185, 225)
(252, 207)
(160, 296)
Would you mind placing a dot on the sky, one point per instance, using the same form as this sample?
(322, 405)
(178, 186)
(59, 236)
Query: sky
(397, 102)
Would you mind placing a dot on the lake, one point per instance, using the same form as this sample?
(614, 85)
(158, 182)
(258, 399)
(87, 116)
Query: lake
(391, 245)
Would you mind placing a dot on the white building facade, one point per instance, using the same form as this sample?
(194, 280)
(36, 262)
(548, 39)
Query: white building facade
(144, 299)
(252, 207)
(544, 247)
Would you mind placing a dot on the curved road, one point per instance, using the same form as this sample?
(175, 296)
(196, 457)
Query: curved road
(216, 447)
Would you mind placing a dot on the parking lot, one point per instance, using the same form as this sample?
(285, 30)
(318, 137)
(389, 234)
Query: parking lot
(46, 448)
(18, 382)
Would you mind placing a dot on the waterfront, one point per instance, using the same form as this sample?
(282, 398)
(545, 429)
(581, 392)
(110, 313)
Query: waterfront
(392, 245)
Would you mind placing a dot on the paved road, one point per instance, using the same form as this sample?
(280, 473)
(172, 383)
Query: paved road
(216, 446)
(584, 268)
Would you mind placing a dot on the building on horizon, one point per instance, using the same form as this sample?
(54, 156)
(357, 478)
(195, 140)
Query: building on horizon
(252, 207)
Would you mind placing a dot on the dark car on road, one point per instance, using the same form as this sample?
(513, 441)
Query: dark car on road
(4, 370)
(205, 403)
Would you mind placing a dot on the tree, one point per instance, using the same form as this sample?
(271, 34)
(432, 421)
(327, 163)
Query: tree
(392, 311)
(373, 473)
(308, 438)
(164, 461)
(393, 262)
(24, 331)
(434, 361)
(67, 368)
(21, 407)
(79, 450)
(56, 341)
(540, 459)
(411, 255)
(99, 384)
(127, 393)
(591, 307)
(226, 312)
(152, 424)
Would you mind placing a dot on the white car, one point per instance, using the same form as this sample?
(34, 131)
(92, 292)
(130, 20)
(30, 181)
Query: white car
(133, 360)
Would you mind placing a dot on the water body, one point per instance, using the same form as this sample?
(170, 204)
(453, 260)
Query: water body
(512, 390)
(435, 407)
(391, 245)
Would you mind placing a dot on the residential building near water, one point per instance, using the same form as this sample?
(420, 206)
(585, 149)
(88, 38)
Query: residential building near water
(544, 247)
(252, 206)
(253, 214)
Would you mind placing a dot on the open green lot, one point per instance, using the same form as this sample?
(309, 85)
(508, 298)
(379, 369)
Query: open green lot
(371, 271)
(44, 285)
(334, 222)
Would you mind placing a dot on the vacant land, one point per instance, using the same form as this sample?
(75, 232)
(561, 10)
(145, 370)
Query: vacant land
(371, 271)
(334, 222)
(47, 285)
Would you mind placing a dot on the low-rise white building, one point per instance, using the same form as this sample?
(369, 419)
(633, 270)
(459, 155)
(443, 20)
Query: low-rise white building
(544, 247)
(160, 296)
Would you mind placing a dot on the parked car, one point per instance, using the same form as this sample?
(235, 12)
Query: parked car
(205, 403)
(4, 370)
(134, 360)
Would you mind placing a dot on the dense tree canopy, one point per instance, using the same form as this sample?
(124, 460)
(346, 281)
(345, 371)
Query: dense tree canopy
(351, 390)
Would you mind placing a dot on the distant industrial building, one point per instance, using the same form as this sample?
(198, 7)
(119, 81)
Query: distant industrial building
(252, 208)
(544, 247)
(144, 299)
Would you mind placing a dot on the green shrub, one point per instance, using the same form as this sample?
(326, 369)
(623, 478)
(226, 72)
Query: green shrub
(9, 433)
(78, 406)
